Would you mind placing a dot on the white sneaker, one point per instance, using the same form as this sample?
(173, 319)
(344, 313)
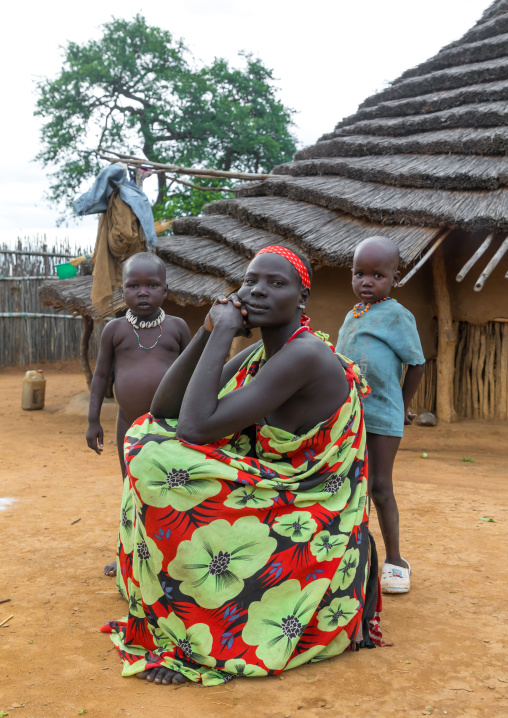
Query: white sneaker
(395, 579)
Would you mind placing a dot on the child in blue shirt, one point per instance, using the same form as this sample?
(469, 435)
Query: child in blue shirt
(380, 335)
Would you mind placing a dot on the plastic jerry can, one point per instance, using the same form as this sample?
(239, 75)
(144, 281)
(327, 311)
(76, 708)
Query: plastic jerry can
(34, 390)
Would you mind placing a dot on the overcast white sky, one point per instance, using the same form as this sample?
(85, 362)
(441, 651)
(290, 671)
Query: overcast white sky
(328, 55)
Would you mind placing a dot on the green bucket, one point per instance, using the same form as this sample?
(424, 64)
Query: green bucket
(66, 271)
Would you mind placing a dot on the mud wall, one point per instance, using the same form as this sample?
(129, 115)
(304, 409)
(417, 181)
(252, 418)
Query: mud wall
(332, 298)
(491, 303)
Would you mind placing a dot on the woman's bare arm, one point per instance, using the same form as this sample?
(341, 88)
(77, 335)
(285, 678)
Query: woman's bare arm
(169, 396)
(205, 418)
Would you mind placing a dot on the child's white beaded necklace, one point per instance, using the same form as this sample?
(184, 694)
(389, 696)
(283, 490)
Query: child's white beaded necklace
(133, 320)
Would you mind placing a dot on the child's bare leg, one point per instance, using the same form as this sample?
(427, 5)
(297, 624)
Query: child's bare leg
(122, 424)
(382, 451)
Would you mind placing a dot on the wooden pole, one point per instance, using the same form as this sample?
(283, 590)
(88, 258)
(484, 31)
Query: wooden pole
(445, 363)
(503, 374)
(476, 256)
(83, 349)
(176, 169)
(491, 266)
(441, 237)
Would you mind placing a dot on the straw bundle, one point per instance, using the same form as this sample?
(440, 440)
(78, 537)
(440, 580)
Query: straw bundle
(228, 231)
(489, 47)
(447, 79)
(434, 171)
(485, 114)
(396, 205)
(493, 21)
(467, 141)
(203, 255)
(327, 237)
(495, 91)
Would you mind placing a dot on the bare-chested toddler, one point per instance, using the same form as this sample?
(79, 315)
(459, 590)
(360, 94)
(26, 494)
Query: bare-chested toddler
(140, 348)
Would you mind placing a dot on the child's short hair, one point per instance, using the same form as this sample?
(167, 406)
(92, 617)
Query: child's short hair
(144, 257)
(385, 243)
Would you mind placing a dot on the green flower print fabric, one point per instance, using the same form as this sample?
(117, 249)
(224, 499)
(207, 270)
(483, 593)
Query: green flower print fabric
(248, 556)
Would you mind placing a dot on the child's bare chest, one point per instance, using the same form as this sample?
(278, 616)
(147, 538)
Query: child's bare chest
(148, 346)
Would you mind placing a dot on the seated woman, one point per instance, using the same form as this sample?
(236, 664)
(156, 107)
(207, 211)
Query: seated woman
(244, 547)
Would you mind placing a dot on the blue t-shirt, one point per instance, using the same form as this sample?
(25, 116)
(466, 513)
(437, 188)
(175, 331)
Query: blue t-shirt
(380, 342)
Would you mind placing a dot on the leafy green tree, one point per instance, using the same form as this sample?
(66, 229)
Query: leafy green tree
(137, 90)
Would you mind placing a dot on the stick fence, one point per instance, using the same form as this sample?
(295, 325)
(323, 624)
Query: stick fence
(30, 333)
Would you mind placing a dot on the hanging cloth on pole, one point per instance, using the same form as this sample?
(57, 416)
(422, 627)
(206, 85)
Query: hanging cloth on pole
(111, 178)
(119, 236)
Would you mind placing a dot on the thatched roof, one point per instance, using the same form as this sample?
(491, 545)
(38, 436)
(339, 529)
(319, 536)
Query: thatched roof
(425, 153)
(185, 287)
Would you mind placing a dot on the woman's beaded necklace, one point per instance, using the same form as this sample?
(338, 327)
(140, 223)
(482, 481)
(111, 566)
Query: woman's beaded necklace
(133, 320)
(356, 309)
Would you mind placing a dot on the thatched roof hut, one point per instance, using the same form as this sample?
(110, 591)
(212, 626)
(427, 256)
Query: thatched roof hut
(424, 162)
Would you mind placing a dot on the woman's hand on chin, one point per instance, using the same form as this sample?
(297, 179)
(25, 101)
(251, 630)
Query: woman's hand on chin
(228, 312)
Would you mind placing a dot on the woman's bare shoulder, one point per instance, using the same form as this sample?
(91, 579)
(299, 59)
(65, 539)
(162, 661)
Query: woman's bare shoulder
(316, 358)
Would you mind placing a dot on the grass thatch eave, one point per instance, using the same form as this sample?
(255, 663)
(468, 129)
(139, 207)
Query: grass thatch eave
(486, 114)
(496, 91)
(475, 141)
(497, 25)
(189, 287)
(456, 172)
(327, 237)
(243, 239)
(375, 202)
(71, 295)
(201, 254)
(488, 48)
(447, 79)
(184, 287)
(494, 10)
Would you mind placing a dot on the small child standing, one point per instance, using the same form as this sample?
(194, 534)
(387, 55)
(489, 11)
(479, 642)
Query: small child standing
(140, 348)
(380, 335)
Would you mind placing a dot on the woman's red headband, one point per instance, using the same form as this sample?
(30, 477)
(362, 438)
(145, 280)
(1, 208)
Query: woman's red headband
(291, 257)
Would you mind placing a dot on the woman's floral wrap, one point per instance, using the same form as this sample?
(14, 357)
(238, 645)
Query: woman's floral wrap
(248, 556)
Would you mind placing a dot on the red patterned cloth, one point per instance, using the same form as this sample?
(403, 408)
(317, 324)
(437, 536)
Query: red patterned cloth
(248, 556)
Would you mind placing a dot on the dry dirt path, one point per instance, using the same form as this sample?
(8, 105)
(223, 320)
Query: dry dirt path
(450, 652)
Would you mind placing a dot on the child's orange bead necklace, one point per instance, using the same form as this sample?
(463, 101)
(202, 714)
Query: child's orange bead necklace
(366, 307)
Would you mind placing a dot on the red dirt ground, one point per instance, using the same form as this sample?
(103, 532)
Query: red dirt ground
(450, 650)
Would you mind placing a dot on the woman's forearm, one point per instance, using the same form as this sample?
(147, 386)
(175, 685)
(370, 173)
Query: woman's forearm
(169, 396)
(201, 396)
(412, 381)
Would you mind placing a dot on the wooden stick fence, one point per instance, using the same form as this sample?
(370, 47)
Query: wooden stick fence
(480, 388)
(27, 334)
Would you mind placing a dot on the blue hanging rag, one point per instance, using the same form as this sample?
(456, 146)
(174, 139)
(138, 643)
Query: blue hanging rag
(96, 200)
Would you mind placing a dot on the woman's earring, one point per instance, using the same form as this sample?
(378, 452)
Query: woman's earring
(301, 306)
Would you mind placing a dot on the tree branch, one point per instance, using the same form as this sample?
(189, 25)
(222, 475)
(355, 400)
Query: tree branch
(191, 171)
